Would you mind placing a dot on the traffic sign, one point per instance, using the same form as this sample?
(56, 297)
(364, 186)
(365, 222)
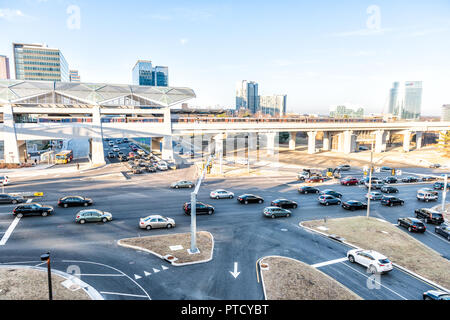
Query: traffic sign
(399, 172)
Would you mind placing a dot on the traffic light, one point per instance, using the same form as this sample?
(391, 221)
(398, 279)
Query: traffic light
(393, 172)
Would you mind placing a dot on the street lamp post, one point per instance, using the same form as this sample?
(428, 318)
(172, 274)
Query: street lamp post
(370, 180)
(46, 257)
(444, 192)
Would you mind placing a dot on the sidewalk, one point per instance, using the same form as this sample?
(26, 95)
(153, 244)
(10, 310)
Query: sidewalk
(43, 169)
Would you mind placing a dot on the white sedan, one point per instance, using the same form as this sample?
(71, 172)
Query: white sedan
(374, 262)
(221, 194)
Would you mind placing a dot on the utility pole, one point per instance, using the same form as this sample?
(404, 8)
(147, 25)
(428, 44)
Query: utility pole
(444, 192)
(370, 180)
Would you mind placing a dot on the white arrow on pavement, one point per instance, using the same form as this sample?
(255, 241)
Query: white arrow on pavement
(147, 273)
(155, 270)
(235, 273)
(137, 277)
(164, 267)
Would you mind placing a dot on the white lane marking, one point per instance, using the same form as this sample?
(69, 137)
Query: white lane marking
(105, 265)
(124, 294)
(326, 263)
(164, 268)
(97, 275)
(9, 231)
(147, 273)
(155, 270)
(433, 234)
(398, 294)
(29, 200)
(137, 277)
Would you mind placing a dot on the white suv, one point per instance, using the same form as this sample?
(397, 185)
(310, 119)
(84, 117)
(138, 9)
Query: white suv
(374, 262)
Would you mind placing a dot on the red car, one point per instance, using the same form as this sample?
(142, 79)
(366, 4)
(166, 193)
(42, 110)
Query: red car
(131, 155)
(349, 181)
(314, 179)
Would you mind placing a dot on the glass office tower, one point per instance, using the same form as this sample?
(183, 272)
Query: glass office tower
(413, 100)
(161, 76)
(393, 98)
(74, 76)
(143, 73)
(39, 62)
(247, 96)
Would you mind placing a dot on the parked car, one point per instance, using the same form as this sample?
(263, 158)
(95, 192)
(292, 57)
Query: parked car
(92, 215)
(308, 189)
(182, 184)
(354, 205)
(120, 154)
(150, 168)
(435, 165)
(349, 181)
(274, 212)
(384, 168)
(171, 166)
(427, 194)
(375, 262)
(331, 193)
(314, 179)
(390, 180)
(221, 194)
(436, 295)
(363, 148)
(111, 143)
(412, 224)
(410, 179)
(428, 178)
(391, 201)
(388, 189)
(366, 179)
(343, 167)
(118, 141)
(155, 222)
(284, 203)
(7, 198)
(111, 155)
(327, 199)
(429, 215)
(125, 140)
(376, 184)
(440, 185)
(374, 195)
(136, 170)
(201, 208)
(32, 209)
(74, 201)
(443, 230)
(123, 158)
(162, 166)
(131, 155)
(4, 180)
(116, 148)
(249, 198)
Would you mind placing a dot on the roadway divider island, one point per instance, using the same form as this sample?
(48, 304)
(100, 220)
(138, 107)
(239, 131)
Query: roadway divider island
(384, 237)
(174, 247)
(289, 279)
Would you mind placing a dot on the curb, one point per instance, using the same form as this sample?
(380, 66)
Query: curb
(90, 291)
(119, 242)
(415, 275)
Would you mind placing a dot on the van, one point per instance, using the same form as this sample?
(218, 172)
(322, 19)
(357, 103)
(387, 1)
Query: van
(426, 196)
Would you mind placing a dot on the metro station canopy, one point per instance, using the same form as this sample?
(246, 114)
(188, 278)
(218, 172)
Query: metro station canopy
(101, 94)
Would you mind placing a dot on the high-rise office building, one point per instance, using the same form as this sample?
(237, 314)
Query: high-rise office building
(39, 62)
(74, 76)
(4, 67)
(144, 74)
(247, 96)
(445, 115)
(405, 102)
(273, 105)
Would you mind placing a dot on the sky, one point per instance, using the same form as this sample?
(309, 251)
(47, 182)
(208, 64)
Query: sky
(319, 53)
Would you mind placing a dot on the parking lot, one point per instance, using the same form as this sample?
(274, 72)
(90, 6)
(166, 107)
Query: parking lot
(241, 233)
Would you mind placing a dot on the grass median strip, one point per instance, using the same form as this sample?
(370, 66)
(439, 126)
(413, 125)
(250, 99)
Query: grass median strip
(289, 279)
(29, 284)
(161, 246)
(387, 239)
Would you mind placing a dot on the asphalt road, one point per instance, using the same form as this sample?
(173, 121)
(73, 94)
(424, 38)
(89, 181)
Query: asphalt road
(241, 235)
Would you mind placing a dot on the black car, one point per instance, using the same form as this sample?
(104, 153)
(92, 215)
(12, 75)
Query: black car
(32, 209)
(429, 215)
(6, 198)
(410, 179)
(391, 201)
(331, 193)
(412, 224)
(202, 208)
(443, 230)
(390, 180)
(354, 205)
(440, 185)
(388, 189)
(308, 189)
(284, 203)
(249, 198)
(74, 201)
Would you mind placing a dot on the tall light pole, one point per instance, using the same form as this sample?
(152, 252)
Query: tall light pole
(46, 257)
(444, 192)
(370, 175)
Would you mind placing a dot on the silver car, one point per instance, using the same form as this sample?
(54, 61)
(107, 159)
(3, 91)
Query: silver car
(221, 194)
(155, 222)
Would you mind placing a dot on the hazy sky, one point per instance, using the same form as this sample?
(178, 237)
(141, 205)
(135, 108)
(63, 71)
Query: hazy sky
(319, 53)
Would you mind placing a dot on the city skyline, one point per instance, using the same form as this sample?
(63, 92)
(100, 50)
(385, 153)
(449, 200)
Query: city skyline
(346, 54)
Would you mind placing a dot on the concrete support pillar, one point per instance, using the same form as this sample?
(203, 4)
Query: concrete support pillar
(380, 141)
(406, 141)
(312, 142)
(292, 140)
(11, 149)
(98, 157)
(218, 148)
(326, 144)
(270, 136)
(167, 148)
(419, 139)
(349, 142)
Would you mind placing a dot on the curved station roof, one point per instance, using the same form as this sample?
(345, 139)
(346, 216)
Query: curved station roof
(98, 94)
